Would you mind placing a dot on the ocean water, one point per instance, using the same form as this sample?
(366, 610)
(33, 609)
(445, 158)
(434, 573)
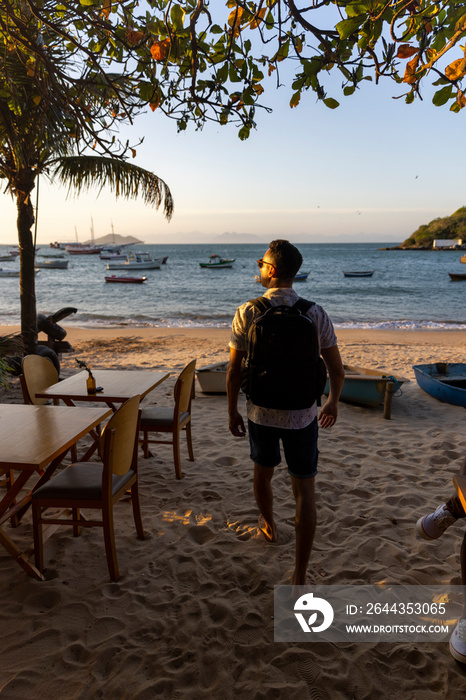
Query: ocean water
(409, 289)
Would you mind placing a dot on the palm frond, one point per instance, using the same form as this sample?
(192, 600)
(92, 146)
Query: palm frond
(11, 345)
(124, 179)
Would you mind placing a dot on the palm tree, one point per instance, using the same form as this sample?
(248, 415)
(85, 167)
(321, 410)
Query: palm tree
(37, 137)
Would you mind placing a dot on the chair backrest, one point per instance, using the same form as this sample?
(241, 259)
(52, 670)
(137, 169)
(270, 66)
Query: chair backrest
(124, 424)
(39, 373)
(184, 387)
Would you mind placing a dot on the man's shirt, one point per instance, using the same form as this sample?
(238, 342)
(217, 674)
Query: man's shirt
(277, 417)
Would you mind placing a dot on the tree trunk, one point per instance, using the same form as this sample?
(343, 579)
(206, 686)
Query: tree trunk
(25, 221)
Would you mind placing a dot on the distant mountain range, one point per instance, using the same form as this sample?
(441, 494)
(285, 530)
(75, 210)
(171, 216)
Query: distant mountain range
(116, 239)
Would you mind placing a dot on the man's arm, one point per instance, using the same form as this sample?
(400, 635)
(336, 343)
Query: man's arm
(336, 377)
(235, 420)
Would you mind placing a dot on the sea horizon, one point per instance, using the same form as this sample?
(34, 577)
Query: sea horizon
(409, 290)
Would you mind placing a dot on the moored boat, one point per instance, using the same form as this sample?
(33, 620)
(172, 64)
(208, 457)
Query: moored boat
(83, 249)
(216, 262)
(8, 257)
(300, 277)
(463, 259)
(136, 261)
(52, 264)
(457, 277)
(125, 280)
(366, 387)
(361, 273)
(9, 273)
(444, 381)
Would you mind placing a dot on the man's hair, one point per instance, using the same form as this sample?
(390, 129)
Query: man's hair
(286, 258)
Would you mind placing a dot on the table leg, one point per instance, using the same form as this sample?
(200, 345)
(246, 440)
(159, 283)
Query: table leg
(19, 556)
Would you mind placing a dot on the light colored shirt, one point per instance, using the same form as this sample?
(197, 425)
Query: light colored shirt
(277, 417)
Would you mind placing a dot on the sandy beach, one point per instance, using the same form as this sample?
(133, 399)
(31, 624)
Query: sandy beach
(192, 615)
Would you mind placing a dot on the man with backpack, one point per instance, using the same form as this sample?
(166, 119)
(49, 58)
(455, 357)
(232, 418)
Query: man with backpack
(275, 355)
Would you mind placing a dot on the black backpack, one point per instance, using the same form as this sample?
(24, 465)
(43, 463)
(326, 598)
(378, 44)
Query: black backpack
(283, 367)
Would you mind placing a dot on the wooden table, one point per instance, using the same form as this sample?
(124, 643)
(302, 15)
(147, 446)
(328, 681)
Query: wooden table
(35, 439)
(118, 386)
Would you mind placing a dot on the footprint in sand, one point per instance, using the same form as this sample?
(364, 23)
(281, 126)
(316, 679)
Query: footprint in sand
(226, 462)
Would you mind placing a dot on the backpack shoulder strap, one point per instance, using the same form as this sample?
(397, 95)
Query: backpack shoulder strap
(261, 304)
(303, 305)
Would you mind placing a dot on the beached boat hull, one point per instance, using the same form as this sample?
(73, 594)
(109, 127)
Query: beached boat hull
(366, 387)
(445, 382)
(213, 378)
(126, 280)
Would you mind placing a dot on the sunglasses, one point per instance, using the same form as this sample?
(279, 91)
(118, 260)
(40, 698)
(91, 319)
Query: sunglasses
(261, 262)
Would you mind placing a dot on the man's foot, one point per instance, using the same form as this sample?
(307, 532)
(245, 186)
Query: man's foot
(458, 641)
(432, 526)
(269, 532)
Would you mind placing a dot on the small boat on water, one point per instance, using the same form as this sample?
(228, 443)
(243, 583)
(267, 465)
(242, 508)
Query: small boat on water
(52, 264)
(366, 387)
(136, 261)
(457, 277)
(126, 280)
(300, 277)
(7, 257)
(444, 381)
(12, 273)
(83, 249)
(463, 259)
(216, 262)
(362, 273)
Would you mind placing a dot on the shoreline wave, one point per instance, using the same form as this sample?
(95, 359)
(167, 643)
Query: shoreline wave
(112, 322)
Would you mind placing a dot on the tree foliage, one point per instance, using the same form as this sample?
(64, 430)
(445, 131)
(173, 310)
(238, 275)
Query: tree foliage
(199, 59)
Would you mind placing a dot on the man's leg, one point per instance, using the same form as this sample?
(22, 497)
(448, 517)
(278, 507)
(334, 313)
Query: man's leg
(264, 499)
(305, 525)
(433, 525)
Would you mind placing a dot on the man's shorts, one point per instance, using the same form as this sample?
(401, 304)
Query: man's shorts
(299, 446)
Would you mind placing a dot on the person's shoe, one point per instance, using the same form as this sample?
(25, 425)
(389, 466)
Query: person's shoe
(432, 526)
(458, 641)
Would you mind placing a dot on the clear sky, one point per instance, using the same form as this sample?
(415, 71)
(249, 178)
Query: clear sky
(372, 170)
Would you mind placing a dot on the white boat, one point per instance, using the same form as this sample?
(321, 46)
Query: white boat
(136, 261)
(52, 264)
(213, 378)
(82, 249)
(217, 263)
(8, 257)
(12, 273)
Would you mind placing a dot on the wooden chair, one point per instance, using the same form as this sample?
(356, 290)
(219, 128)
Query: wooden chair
(38, 373)
(96, 486)
(155, 419)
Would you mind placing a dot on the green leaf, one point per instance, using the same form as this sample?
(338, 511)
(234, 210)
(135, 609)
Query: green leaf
(244, 132)
(331, 103)
(349, 26)
(177, 17)
(442, 96)
(349, 89)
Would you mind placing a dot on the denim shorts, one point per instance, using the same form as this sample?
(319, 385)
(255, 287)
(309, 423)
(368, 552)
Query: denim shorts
(299, 446)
